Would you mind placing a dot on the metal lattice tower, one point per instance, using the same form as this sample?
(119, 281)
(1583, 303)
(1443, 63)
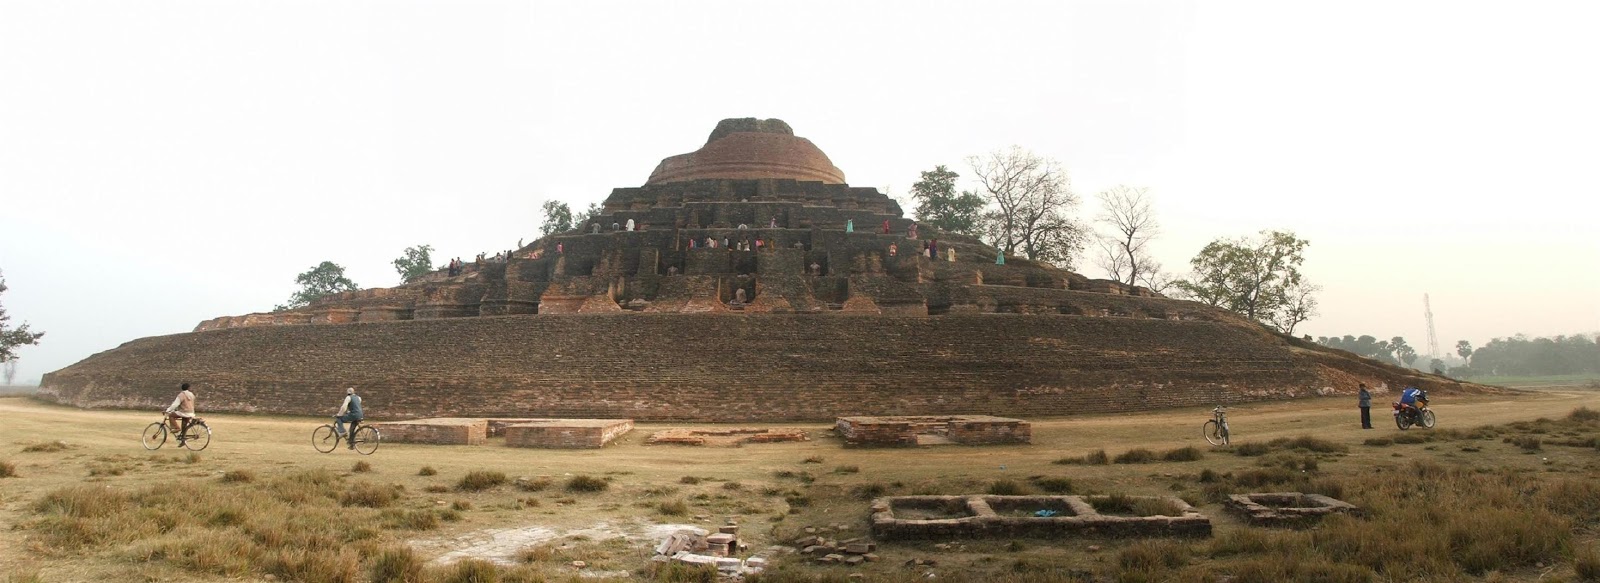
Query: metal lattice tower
(1433, 339)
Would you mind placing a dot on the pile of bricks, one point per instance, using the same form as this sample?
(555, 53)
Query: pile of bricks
(694, 546)
(849, 552)
(726, 437)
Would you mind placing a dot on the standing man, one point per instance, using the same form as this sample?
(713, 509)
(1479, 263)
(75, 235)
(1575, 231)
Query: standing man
(1365, 399)
(349, 411)
(181, 412)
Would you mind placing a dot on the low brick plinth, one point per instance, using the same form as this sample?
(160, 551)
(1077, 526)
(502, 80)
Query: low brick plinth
(906, 431)
(1287, 509)
(566, 433)
(436, 431)
(498, 425)
(943, 517)
(726, 437)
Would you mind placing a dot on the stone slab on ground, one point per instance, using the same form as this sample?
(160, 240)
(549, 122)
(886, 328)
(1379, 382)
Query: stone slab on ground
(436, 431)
(911, 430)
(1290, 509)
(566, 433)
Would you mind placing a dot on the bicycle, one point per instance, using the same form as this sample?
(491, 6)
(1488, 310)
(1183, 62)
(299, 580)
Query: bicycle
(195, 438)
(363, 438)
(1216, 430)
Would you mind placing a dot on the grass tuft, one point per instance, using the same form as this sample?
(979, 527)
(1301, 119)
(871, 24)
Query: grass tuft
(1583, 415)
(396, 564)
(369, 495)
(1006, 488)
(480, 480)
(8, 469)
(1137, 455)
(361, 467)
(238, 476)
(583, 483)
(47, 446)
(672, 508)
(1183, 454)
(427, 471)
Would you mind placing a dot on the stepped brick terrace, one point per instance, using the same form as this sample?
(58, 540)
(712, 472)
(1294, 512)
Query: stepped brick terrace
(744, 281)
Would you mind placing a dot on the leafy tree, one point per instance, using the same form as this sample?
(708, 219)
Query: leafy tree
(1402, 351)
(557, 218)
(416, 262)
(1520, 355)
(11, 338)
(1033, 204)
(1464, 349)
(324, 279)
(1257, 278)
(1436, 365)
(1123, 251)
(589, 215)
(939, 205)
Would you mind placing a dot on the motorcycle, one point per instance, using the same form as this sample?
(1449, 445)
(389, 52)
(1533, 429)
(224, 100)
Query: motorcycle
(1405, 416)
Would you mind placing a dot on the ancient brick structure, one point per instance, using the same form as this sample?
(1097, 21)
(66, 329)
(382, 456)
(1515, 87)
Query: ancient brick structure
(566, 433)
(725, 436)
(606, 322)
(439, 431)
(1289, 509)
(946, 517)
(905, 431)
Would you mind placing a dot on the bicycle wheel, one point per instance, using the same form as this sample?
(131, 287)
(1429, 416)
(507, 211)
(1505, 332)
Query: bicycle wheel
(1427, 419)
(197, 437)
(324, 439)
(154, 435)
(1213, 432)
(367, 440)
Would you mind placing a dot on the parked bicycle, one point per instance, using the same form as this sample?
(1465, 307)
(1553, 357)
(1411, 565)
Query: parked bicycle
(1216, 430)
(195, 438)
(362, 438)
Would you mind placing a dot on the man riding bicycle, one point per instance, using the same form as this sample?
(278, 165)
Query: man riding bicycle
(349, 411)
(180, 414)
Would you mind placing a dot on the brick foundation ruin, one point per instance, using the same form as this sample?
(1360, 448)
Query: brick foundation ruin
(945, 517)
(566, 433)
(1287, 509)
(725, 437)
(907, 431)
(437, 431)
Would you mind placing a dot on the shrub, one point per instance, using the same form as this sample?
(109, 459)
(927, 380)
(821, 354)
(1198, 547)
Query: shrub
(1054, 485)
(1526, 442)
(8, 469)
(1136, 456)
(361, 467)
(1251, 449)
(813, 460)
(1208, 475)
(1586, 563)
(46, 446)
(1378, 442)
(868, 491)
(797, 500)
(1183, 454)
(1411, 438)
(1152, 555)
(368, 494)
(688, 480)
(237, 476)
(734, 486)
(583, 483)
(534, 485)
(427, 471)
(480, 480)
(672, 508)
(1006, 488)
(397, 564)
(418, 519)
(1583, 414)
(461, 505)
(470, 571)
(1310, 443)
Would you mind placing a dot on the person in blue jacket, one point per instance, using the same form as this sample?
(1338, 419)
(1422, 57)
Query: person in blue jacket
(349, 412)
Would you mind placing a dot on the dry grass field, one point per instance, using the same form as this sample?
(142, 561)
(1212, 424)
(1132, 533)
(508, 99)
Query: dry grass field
(1504, 489)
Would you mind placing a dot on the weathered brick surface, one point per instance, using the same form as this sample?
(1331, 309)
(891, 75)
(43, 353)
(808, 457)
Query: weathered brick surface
(566, 433)
(750, 367)
(438, 431)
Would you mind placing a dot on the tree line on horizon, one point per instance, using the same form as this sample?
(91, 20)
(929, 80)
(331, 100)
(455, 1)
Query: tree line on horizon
(1519, 355)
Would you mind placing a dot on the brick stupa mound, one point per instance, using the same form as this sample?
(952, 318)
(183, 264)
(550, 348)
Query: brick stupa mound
(842, 314)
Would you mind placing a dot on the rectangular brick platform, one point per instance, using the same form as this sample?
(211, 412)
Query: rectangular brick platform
(566, 433)
(1287, 509)
(726, 437)
(943, 517)
(437, 431)
(906, 431)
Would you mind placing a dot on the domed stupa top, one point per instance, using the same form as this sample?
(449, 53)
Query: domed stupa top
(750, 148)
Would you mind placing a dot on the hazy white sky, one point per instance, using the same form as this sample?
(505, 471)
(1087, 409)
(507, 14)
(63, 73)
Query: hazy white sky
(162, 163)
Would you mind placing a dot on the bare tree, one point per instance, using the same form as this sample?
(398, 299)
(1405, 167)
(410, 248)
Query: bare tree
(1033, 205)
(1126, 212)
